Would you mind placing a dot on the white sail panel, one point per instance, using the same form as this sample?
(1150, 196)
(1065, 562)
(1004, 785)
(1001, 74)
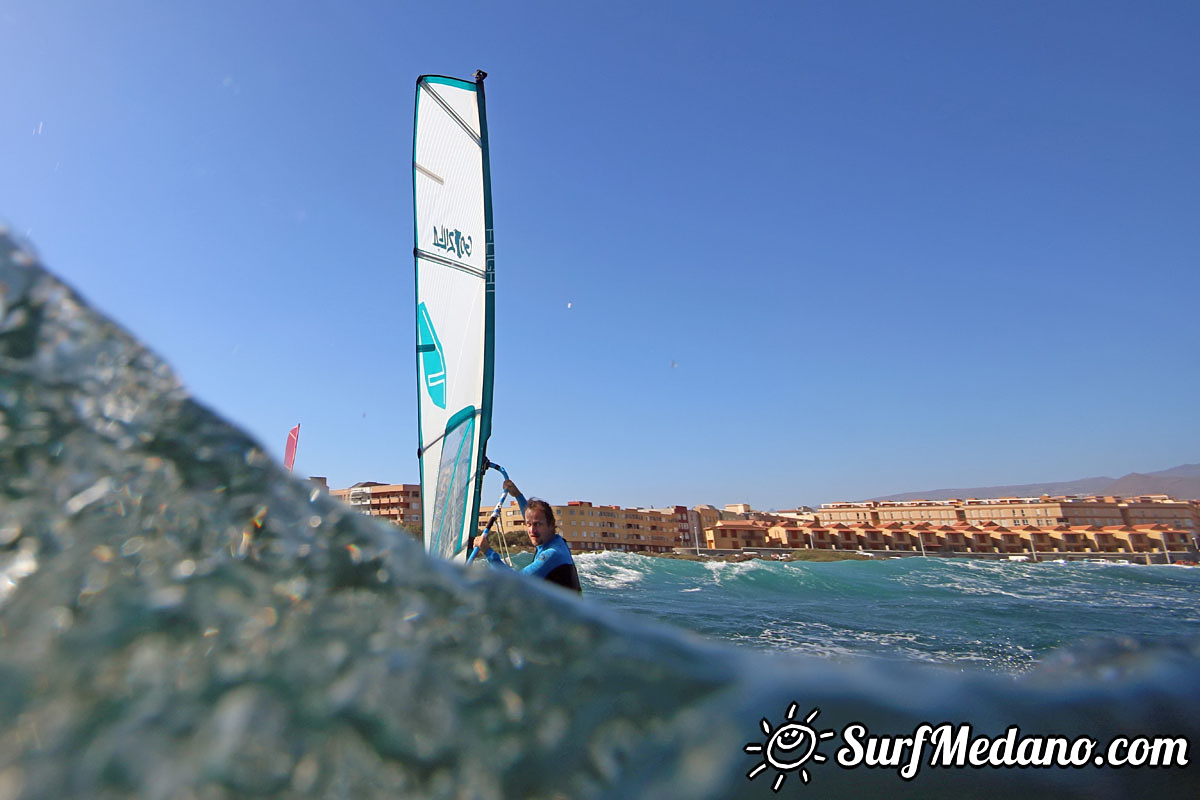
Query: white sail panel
(454, 327)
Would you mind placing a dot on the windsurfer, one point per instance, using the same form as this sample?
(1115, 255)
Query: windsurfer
(552, 560)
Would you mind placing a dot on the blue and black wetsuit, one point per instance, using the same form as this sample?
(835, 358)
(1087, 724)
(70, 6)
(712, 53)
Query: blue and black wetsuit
(551, 561)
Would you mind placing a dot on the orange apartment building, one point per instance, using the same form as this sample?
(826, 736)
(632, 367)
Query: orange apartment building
(789, 534)
(682, 518)
(734, 534)
(960, 537)
(1045, 511)
(703, 517)
(1016, 512)
(1004, 526)
(398, 502)
(584, 526)
(1159, 509)
(1012, 526)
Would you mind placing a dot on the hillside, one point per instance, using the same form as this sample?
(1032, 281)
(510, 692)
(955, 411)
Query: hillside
(1182, 483)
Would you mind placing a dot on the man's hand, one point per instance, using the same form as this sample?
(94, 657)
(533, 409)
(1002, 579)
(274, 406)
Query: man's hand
(511, 488)
(481, 542)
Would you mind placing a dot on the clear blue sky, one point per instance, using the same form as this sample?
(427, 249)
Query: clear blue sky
(813, 251)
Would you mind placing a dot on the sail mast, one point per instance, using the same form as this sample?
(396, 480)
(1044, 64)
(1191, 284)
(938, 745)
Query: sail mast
(489, 346)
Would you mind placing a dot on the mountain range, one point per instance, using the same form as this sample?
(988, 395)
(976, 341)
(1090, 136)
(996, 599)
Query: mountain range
(1182, 483)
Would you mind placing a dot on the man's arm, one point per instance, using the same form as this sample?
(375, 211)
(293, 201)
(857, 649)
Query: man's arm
(541, 566)
(512, 489)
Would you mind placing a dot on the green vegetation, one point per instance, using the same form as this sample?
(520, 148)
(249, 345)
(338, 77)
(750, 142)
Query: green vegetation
(515, 538)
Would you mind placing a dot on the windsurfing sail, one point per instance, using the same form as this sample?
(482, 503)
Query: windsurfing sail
(455, 304)
(289, 452)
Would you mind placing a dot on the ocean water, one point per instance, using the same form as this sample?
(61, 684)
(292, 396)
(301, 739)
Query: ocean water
(181, 618)
(999, 616)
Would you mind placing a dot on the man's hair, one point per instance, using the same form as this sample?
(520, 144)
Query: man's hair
(544, 507)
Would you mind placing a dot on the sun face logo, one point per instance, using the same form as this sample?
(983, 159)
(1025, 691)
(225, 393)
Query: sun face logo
(788, 747)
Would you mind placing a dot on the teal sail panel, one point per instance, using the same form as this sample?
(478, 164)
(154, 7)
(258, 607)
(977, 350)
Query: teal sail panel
(455, 280)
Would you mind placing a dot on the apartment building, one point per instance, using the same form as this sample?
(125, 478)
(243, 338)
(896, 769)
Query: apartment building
(801, 513)
(706, 517)
(734, 534)
(849, 513)
(1011, 526)
(1016, 512)
(790, 534)
(1011, 511)
(962, 537)
(683, 519)
(1160, 509)
(398, 502)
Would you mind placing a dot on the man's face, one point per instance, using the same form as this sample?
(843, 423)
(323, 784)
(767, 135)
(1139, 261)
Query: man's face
(539, 531)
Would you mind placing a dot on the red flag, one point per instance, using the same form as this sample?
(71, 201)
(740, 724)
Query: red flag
(289, 454)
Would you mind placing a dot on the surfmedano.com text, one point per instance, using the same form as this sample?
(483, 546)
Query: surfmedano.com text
(951, 746)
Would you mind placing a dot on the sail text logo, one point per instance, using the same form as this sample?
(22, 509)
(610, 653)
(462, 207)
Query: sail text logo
(452, 241)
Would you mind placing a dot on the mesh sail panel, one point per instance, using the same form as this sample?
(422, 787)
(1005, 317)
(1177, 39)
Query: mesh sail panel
(447, 536)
